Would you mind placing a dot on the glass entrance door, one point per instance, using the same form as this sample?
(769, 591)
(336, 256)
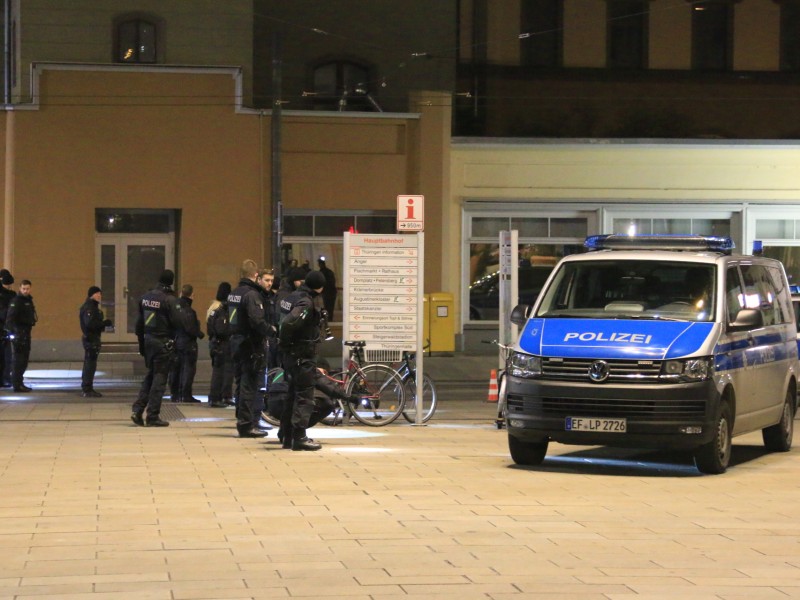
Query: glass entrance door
(128, 266)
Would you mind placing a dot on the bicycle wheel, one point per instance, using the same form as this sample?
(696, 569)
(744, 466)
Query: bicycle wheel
(380, 390)
(429, 399)
(274, 375)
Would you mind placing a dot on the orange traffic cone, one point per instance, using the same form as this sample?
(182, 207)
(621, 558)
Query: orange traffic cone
(493, 396)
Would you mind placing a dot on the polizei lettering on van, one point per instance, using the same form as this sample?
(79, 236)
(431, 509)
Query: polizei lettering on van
(599, 336)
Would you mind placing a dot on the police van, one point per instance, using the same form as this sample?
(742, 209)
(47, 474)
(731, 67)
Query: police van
(665, 342)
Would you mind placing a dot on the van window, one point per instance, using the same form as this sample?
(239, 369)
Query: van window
(733, 293)
(764, 290)
(631, 289)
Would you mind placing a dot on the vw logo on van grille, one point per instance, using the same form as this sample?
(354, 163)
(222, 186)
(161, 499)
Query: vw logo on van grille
(598, 371)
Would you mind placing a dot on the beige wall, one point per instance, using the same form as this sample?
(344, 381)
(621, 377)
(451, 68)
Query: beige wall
(173, 139)
(600, 174)
(757, 30)
(200, 32)
(503, 32)
(73, 157)
(670, 35)
(585, 33)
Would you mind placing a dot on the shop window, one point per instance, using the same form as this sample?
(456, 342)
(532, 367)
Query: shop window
(136, 40)
(627, 34)
(646, 226)
(541, 23)
(712, 36)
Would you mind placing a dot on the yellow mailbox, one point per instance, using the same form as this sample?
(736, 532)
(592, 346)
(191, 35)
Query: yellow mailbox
(440, 328)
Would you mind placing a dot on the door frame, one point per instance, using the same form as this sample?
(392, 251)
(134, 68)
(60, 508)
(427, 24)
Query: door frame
(121, 241)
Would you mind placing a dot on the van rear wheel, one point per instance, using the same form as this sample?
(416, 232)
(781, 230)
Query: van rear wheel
(527, 453)
(778, 437)
(713, 458)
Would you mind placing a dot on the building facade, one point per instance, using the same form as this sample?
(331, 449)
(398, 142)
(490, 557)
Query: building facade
(727, 69)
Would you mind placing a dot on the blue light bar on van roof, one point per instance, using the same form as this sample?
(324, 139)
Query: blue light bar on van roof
(619, 241)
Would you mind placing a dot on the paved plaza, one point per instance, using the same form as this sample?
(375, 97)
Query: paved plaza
(93, 506)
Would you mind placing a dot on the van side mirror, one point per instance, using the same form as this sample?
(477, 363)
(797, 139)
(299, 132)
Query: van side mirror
(747, 318)
(519, 315)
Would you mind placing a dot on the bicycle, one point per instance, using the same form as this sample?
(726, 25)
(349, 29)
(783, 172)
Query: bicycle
(378, 387)
(408, 373)
(500, 419)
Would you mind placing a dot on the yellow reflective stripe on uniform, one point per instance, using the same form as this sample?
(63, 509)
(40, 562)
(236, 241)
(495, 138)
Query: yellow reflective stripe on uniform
(232, 315)
(149, 318)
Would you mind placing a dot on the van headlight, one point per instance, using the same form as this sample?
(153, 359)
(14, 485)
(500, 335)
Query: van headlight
(687, 369)
(524, 365)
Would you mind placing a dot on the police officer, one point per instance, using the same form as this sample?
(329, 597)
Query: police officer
(160, 315)
(20, 319)
(184, 367)
(266, 279)
(299, 335)
(6, 360)
(219, 347)
(249, 332)
(92, 326)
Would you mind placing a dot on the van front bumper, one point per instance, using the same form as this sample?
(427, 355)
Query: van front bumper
(656, 415)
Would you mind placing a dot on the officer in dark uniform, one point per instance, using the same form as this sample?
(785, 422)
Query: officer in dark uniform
(184, 367)
(219, 346)
(20, 319)
(160, 316)
(92, 326)
(6, 360)
(249, 332)
(299, 335)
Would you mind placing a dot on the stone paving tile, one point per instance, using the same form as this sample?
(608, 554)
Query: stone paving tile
(102, 509)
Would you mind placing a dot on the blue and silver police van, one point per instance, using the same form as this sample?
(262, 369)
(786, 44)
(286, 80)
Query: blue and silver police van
(668, 342)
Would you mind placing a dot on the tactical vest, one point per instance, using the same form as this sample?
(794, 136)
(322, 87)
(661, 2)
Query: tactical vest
(155, 313)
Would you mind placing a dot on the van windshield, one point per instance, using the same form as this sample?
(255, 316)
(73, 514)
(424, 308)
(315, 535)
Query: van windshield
(631, 289)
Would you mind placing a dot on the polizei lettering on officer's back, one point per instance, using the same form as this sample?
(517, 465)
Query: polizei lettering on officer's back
(599, 336)
(151, 303)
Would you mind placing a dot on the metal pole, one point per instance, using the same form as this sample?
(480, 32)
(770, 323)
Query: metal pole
(277, 201)
(7, 56)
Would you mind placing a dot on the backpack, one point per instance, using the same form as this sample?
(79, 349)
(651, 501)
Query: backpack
(218, 325)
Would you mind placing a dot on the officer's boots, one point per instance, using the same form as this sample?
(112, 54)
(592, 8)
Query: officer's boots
(300, 441)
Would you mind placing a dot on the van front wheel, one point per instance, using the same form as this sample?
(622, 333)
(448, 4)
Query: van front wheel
(778, 437)
(713, 458)
(527, 453)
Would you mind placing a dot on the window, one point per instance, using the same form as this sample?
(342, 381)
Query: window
(733, 294)
(543, 240)
(647, 225)
(627, 34)
(308, 236)
(343, 85)
(541, 33)
(790, 35)
(712, 35)
(136, 41)
(764, 291)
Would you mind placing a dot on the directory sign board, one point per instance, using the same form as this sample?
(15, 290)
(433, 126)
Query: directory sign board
(383, 290)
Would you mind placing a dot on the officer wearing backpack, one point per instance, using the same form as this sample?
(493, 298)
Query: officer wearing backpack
(249, 331)
(299, 335)
(219, 346)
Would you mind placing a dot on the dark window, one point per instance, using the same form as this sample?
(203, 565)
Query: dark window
(298, 225)
(343, 85)
(540, 35)
(712, 35)
(790, 36)
(136, 41)
(627, 34)
(120, 220)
